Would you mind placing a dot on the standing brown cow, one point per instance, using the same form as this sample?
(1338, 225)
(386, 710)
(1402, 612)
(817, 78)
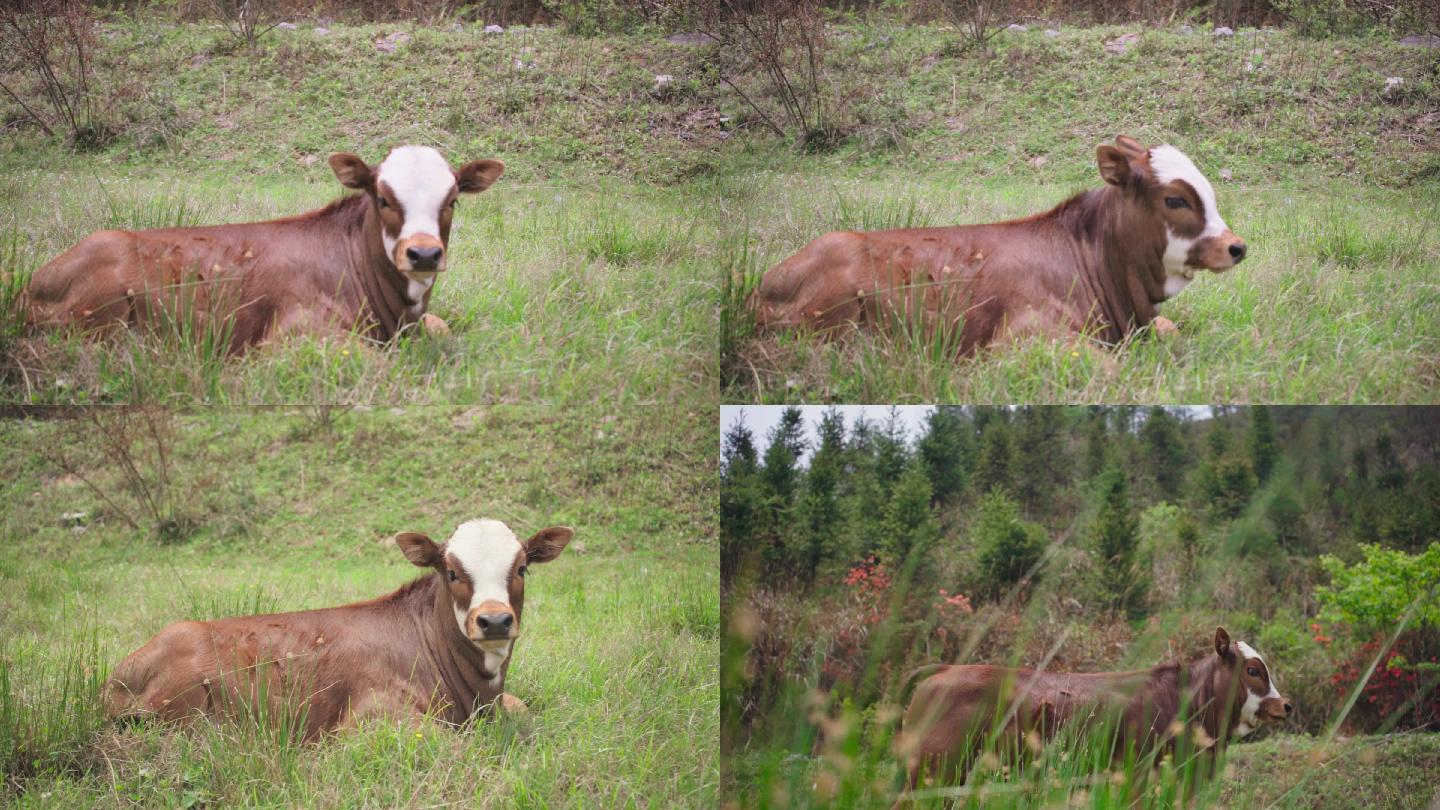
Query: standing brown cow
(956, 710)
(364, 263)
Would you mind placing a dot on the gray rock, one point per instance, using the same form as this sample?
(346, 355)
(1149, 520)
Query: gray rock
(664, 82)
(494, 29)
(1122, 43)
(74, 518)
(1223, 31)
(389, 43)
(321, 31)
(1187, 29)
(1051, 32)
(287, 26)
(1017, 28)
(1226, 175)
(1421, 41)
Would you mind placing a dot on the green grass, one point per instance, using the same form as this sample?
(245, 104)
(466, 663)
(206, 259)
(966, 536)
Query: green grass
(293, 510)
(1337, 302)
(555, 291)
(1332, 191)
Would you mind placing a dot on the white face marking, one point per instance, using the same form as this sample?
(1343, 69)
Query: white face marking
(1171, 164)
(486, 550)
(421, 180)
(1249, 719)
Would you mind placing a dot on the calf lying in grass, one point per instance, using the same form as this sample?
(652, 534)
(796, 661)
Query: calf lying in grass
(958, 713)
(1102, 262)
(439, 646)
(364, 263)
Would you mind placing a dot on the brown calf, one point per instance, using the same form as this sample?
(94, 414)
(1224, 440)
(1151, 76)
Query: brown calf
(439, 646)
(958, 708)
(1101, 261)
(364, 263)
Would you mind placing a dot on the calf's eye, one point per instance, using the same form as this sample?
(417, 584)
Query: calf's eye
(1176, 202)
(1253, 672)
(452, 576)
(383, 202)
(521, 572)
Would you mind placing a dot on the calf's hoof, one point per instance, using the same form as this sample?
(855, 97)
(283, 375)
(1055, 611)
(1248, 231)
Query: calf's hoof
(433, 325)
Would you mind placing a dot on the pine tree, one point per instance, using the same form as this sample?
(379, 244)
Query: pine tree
(780, 479)
(1097, 442)
(1008, 547)
(819, 506)
(993, 469)
(740, 499)
(1264, 448)
(944, 449)
(1165, 453)
(910, 527)
(1225, 480)
(1114, 536)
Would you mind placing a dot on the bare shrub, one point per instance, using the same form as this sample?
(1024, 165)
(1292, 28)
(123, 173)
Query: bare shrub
(138, 445)
(977, 20)
(52, 42)
(771, 53)
(246, 20)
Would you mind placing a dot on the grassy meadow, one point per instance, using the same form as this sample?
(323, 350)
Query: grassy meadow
(582, 273)
(1333, 187)
(237, 513)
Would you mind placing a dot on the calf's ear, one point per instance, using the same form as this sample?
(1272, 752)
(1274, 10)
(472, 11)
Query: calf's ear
(351, 171)
(547, 544)
(420, 550)
(478, 175)
(1222, 643)
(1114, 166)
(1131, 147)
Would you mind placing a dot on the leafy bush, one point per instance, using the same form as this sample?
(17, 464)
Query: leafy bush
(1009, 547)
(1375, 594)
(1401, 693)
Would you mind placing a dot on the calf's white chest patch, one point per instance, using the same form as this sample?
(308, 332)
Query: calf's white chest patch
(420, 179)
(486, 549)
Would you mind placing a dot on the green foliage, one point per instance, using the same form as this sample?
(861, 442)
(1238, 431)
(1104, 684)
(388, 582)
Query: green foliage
(1322, 18)
(1264, 448)
(992, 471)
(1009, 548)
(910, 528)
(945, 449)
(1375, 593)
(1226, 479)
(1114, 536)
(1165, 451)
(740, 498)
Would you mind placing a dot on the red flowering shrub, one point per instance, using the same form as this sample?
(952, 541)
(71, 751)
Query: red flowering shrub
(1404, 689)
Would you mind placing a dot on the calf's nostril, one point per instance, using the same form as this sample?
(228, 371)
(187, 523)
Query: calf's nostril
(1287, 708)
(423, 254)
(1237, 251)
